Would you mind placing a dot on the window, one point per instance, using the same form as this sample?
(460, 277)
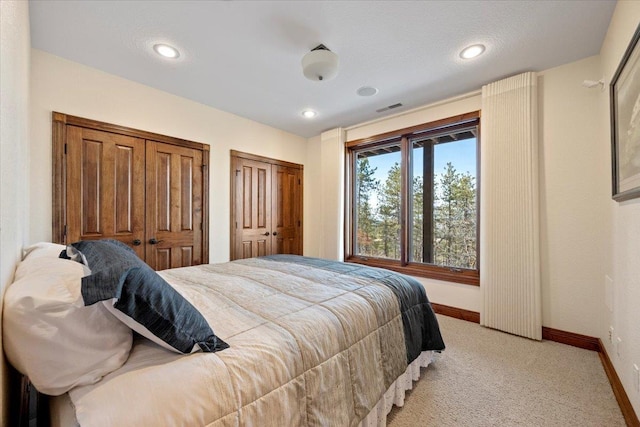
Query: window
(413, 198)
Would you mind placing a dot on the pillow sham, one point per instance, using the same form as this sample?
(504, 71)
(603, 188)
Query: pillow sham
(48, 333)
(143, 300)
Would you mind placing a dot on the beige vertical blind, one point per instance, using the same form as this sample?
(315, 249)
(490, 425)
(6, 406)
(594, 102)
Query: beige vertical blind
(509, 220)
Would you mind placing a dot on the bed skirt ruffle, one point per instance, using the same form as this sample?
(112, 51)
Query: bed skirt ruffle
(396, 393)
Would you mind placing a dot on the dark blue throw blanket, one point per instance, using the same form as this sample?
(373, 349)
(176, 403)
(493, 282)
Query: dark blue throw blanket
(421, 330)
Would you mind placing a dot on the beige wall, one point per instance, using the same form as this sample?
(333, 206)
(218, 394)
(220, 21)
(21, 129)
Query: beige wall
(623, 295)
(313, 214)
(574, 194)
(14, 142)
(324, 196)
(71, 88)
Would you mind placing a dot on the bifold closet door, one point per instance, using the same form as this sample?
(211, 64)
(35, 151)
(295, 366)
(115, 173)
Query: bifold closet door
(286, 206)
(147, 190)
(105, 187)
(252, 222)
(266, 206)
(174, 202)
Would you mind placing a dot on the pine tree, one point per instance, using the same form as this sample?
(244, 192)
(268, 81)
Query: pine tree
(454, 216)
(455, 220)
(417, 233)
(365, 183)
(466, 220)
(389, 197)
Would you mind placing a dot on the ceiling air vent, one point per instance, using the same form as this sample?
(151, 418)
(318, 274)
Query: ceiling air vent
(390, 107)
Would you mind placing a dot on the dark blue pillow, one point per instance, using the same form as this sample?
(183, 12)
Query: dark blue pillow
(139, 296)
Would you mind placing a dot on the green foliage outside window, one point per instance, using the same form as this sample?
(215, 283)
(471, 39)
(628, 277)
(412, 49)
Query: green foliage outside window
(454, 217)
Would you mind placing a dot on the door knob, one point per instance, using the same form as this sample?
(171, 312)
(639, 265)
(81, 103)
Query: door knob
(275, 233)
(265, 234)
(137, 242)
(154, 241)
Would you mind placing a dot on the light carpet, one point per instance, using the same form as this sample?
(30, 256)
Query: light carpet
(490, 378)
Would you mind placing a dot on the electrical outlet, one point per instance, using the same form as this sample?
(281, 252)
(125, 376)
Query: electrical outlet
(610, 334)
(636, 377)
(619, 346)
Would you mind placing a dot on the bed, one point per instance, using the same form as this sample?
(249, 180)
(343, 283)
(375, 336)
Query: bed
(310, 342)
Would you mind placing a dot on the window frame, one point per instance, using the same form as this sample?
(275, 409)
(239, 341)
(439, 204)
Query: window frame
(405, 137)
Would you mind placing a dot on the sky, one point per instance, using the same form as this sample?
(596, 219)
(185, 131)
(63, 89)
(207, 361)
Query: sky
(462, 154)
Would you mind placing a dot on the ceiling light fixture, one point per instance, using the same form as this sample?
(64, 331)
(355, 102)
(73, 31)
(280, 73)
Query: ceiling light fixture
(309, 114)
(472, 51)
(320, 64)
(166, 51)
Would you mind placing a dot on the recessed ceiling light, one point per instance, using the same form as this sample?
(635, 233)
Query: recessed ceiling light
(367, 91)
(309, 114)
(472, 51)
(166, 51)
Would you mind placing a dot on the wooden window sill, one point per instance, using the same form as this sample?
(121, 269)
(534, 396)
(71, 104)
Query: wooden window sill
(467, 277)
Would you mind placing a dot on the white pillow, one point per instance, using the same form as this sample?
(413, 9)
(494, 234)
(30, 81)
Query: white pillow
(48, 333)
(40, 250)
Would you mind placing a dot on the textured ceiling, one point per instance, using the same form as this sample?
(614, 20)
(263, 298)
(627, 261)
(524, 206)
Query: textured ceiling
(244, 56)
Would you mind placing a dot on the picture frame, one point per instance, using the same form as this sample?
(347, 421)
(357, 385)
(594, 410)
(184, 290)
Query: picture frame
(625, 124)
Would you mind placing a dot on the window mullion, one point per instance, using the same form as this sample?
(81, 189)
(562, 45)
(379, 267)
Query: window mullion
(352, 225)
(405, 204)
(428, 199)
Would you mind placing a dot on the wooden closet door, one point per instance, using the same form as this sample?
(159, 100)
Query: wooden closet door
(105, 187)
(252, 222)
(266, 206)
(174, 206)
(286, 210)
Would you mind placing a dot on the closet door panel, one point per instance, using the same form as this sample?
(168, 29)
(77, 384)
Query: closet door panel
(91, 154)
(105, 187)
(162, 258)
(124, 211)
(286, 209)
(162, 180)
(174, 206)
(252, 222)
(185, 193)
